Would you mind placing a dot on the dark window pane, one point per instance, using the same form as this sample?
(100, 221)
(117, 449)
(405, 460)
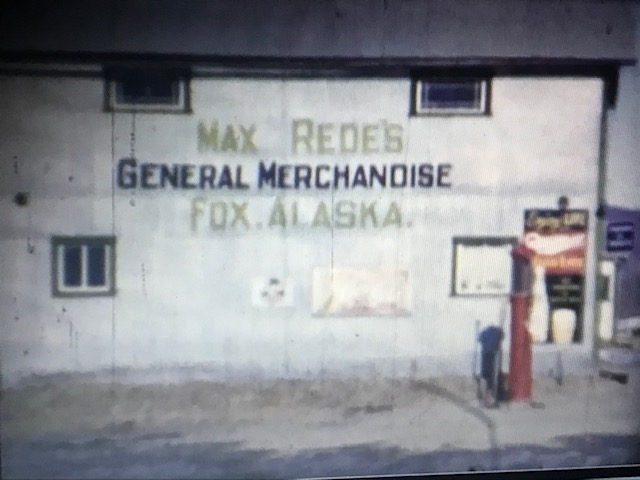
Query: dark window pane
(96, 273)
(72, 266)
(451, 95)
(147, 90)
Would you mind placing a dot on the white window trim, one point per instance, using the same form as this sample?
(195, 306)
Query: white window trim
(179, 107)
(481, 110)
(84, 243)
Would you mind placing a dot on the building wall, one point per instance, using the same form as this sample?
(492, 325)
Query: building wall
(184, 294)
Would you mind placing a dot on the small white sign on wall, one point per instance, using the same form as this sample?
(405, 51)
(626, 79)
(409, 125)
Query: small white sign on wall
(271, 292)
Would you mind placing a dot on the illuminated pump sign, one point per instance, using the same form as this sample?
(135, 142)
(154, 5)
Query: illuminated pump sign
(557, 243)
(557, 239)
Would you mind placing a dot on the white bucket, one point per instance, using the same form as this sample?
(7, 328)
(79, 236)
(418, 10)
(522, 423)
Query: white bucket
(563, 324)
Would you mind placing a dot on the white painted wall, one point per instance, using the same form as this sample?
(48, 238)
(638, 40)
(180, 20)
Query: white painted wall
(184, 298)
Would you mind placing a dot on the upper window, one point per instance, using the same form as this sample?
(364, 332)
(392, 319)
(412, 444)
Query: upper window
(155, 91)
(83, 265)
(451, 97)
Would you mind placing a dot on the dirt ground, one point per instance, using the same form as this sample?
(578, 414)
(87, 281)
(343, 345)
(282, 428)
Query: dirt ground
(300, 428)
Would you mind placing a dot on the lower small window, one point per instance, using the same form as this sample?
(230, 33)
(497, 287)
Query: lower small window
(83, 265)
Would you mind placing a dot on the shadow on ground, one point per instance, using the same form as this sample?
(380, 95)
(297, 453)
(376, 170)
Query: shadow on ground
(163, 456)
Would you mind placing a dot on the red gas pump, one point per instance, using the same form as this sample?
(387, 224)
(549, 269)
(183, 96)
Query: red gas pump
(560, 253)
(520, 367)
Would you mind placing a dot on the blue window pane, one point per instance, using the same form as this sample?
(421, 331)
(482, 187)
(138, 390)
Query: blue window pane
(147, 90)
(96, 275)
(451, 95)
(72, 266)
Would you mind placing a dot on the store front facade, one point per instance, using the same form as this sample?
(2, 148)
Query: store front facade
(285, 227)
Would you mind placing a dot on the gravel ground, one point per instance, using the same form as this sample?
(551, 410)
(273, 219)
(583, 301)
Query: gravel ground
(298, 428)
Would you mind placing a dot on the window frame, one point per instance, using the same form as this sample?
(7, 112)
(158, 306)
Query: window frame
(60, 243)
(496, 241)
(485, 97)
(116, 78)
